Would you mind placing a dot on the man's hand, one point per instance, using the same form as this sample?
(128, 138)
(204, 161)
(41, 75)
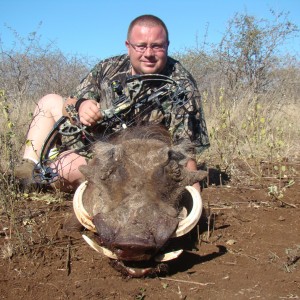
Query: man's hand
(89, 112)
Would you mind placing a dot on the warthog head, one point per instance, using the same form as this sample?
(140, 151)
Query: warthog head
(133, 196)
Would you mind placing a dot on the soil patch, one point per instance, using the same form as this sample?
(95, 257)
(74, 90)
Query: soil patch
(249, 247)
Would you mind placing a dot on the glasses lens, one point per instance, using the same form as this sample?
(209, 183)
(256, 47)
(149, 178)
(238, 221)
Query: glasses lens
(143, 48)
(140, 48)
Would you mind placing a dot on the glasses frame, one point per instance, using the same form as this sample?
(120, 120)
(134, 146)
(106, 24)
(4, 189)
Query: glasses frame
(161, 48)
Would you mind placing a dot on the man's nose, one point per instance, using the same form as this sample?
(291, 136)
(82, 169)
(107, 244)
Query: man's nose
(149, 52)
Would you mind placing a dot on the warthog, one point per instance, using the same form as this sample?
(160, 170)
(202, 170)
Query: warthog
(133, 197)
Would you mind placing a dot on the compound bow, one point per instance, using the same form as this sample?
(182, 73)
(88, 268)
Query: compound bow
(46, 172)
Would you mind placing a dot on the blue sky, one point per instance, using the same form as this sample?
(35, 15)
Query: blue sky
(97, 28)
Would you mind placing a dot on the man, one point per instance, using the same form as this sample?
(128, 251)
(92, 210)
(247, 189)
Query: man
(147, 45)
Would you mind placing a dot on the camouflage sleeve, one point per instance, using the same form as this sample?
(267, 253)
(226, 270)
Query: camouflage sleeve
(187, 122)
(88, 87)
(97, 84)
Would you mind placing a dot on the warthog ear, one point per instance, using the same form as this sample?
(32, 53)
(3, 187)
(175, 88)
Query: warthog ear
(88, 170)
(196, 176)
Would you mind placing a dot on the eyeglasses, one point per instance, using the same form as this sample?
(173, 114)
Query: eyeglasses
(154, 47)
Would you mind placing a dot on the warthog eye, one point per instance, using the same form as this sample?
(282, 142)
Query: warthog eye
(174, 155)
(174, 170)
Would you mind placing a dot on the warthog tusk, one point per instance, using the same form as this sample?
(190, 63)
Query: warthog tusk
(80, 212)
(168, 256)
(98, 248)
(184, 226)
(159, 258)
(187, 224)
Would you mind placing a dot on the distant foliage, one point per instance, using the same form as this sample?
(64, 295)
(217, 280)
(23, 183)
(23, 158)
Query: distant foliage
(247, 52)
(248, 56)
(250, 92)
(29, 70)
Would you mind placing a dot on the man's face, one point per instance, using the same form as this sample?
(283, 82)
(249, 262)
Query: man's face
(151, 40)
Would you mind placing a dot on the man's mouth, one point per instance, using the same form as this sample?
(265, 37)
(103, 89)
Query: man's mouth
(149, 63)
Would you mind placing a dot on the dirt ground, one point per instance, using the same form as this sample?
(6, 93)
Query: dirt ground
(249, 250)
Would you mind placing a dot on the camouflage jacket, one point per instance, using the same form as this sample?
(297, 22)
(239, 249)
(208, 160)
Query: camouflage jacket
(185, 123)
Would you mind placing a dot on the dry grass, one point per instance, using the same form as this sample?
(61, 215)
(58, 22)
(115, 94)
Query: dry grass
(249, 131)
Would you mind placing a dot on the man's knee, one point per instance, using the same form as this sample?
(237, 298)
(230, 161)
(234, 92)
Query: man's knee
(51, 100)
(50, 106)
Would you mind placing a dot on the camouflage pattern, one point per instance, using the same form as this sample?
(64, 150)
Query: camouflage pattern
(186, 124)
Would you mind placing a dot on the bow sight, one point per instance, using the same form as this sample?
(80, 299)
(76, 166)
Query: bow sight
(128, 98)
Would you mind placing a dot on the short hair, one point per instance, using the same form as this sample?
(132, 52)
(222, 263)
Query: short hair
(147, 20)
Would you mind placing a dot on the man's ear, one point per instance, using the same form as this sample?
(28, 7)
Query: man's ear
(127, 45)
